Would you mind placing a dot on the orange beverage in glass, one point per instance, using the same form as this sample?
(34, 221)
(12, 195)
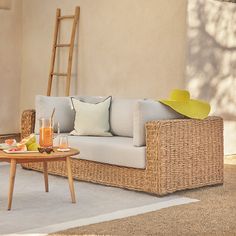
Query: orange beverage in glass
(63, 142)
(46, 137)
(46, 133)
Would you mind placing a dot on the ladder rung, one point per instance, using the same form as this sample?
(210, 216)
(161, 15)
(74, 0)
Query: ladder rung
(62, 45)
(59, 74)
(66, 17)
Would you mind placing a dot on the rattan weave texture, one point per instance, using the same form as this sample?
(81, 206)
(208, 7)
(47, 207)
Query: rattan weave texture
(180, 154)
(27, 123)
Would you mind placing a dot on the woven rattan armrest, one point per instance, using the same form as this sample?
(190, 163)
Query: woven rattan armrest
(184, 153)
(27, 123)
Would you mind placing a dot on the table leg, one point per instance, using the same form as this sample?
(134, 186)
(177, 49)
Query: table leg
(70, 179)
(12, 181)
(45, 173)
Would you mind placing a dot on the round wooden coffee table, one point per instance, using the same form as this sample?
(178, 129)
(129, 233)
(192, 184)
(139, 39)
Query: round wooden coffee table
(15, 159)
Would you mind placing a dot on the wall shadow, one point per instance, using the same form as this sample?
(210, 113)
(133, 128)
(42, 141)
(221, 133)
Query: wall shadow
(211, 58)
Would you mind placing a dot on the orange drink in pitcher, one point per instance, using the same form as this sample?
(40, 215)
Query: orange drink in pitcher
(46, 133)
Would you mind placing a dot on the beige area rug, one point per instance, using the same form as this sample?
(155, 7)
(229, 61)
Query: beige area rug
(214, 214)
(36, 212)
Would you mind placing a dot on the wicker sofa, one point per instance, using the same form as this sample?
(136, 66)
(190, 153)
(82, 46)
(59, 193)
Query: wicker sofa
(180, 154)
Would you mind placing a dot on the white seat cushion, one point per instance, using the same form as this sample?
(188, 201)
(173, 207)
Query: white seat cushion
(111, 150)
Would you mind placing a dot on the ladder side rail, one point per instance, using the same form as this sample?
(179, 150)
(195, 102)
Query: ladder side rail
(70, 57)
(53, 57)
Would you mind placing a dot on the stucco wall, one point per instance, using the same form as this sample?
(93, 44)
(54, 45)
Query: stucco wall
(211, 60)
(10, 67)
(127, 48)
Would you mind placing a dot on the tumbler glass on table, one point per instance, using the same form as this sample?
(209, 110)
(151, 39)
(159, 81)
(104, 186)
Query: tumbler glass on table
(63, 142)
(45, 132)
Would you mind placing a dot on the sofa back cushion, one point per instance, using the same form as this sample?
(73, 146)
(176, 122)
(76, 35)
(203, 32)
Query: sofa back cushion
(121, 116)
(64, 113)
(148, 110)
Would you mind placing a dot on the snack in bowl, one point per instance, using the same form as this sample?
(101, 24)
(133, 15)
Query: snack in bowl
(10, 142)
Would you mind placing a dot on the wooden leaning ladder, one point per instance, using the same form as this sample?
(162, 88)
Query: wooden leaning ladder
(56, 45)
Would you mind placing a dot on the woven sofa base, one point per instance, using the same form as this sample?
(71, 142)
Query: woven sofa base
(105, 174)
(180, 154)
(111, 175)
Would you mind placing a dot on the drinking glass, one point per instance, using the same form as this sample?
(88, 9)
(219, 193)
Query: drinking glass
(45, 132)
(63, 142)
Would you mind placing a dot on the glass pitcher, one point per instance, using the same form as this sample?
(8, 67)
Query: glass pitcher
(46, 132)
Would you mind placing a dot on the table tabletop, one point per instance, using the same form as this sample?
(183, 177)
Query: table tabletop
(37, 155)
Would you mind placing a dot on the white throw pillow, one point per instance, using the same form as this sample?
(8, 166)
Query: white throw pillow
(92, 119)
(149, 110)
(90, 99)
(64, 112)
